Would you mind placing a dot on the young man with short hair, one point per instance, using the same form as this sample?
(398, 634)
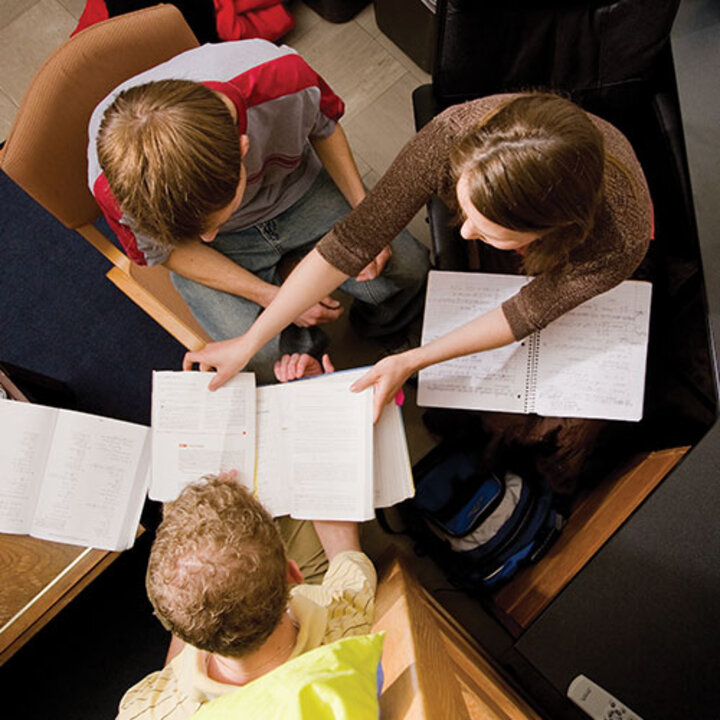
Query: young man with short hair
(218, 578)
(226, 162)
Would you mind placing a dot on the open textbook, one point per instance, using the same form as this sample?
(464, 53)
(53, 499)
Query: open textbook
(308, 448)
(588, 363)
(71, 477)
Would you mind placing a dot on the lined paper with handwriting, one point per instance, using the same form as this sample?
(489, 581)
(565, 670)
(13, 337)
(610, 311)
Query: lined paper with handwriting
(588, 363)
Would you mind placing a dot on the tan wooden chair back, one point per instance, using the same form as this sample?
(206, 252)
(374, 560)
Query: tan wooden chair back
(46, 150)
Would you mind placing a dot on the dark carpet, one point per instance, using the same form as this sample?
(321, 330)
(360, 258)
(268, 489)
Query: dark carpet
(62, 318)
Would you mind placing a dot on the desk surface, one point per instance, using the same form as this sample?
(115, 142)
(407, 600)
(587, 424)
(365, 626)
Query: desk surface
(37, 579)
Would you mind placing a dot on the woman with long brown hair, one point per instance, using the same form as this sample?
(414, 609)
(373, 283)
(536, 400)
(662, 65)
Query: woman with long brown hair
(530, 173)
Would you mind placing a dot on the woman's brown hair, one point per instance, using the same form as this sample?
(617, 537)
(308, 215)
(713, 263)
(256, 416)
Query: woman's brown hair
(536, 165)
(170, 152)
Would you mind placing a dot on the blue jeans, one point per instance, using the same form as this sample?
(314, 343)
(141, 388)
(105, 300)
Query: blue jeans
(382, 306)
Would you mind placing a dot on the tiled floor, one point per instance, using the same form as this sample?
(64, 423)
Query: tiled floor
(374, 78)
(29, 32)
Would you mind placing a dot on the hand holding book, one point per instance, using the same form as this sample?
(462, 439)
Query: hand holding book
(228, 357)
(315, 453)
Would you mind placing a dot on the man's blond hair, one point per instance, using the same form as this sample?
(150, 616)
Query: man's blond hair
(170, 152)
(217, 573)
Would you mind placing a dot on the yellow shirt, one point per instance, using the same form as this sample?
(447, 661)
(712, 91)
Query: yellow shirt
(343, 605)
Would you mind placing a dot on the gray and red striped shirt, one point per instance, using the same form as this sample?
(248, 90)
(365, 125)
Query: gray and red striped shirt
(282, 104)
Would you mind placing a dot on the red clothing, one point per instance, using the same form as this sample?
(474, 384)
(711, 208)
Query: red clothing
(237, 19)
(95, 11)
(234, 19)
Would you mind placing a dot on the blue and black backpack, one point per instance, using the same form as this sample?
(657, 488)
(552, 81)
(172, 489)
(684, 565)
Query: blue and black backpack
(479, 525)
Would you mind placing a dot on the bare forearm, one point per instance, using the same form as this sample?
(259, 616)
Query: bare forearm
(310, 282)
(335, 155)
(204, 265)
(337, 537)
(485, 332)
(387, 376)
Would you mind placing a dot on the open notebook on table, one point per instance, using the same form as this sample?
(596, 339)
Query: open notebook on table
(588, 363)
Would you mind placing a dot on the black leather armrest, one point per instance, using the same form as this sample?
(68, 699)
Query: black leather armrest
(450, 251)
(425, 106)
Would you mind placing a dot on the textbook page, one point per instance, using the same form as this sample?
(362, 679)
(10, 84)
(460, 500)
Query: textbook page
(277, 415)
(26, 432)
(490, 380)
(331, 448)
(196, 432)
(393, 480)
(273, 470)
(95, 482)
(591, 361)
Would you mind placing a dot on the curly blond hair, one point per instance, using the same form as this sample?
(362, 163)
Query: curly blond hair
(170, 152)
(217, 573)
(536, 165)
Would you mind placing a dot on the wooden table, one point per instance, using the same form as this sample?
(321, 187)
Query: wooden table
(433, 669)
(37, 579)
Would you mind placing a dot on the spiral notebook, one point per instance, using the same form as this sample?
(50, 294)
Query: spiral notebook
(589, 363)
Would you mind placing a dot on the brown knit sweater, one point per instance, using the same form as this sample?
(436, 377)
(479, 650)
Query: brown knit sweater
(611, 253)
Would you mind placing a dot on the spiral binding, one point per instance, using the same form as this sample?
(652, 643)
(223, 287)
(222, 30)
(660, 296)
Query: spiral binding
(531, 375)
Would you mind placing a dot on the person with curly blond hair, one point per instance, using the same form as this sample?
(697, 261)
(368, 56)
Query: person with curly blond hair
(220, 579)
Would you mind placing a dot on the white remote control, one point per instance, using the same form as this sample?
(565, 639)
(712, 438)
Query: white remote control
(597, 702)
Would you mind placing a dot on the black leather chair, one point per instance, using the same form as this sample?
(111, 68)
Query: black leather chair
(612, 58)
(615, 60)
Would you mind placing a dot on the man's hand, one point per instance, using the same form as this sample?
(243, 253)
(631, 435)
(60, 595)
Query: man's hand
(375, 267)
(325, 311)
(296, 366)
(228, 357)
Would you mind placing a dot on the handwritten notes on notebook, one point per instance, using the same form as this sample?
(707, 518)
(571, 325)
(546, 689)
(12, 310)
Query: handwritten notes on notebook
(588, 363)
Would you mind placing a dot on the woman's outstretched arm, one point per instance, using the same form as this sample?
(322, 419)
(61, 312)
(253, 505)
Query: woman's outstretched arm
(312, 280)
(413, 177)
(485, 332)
